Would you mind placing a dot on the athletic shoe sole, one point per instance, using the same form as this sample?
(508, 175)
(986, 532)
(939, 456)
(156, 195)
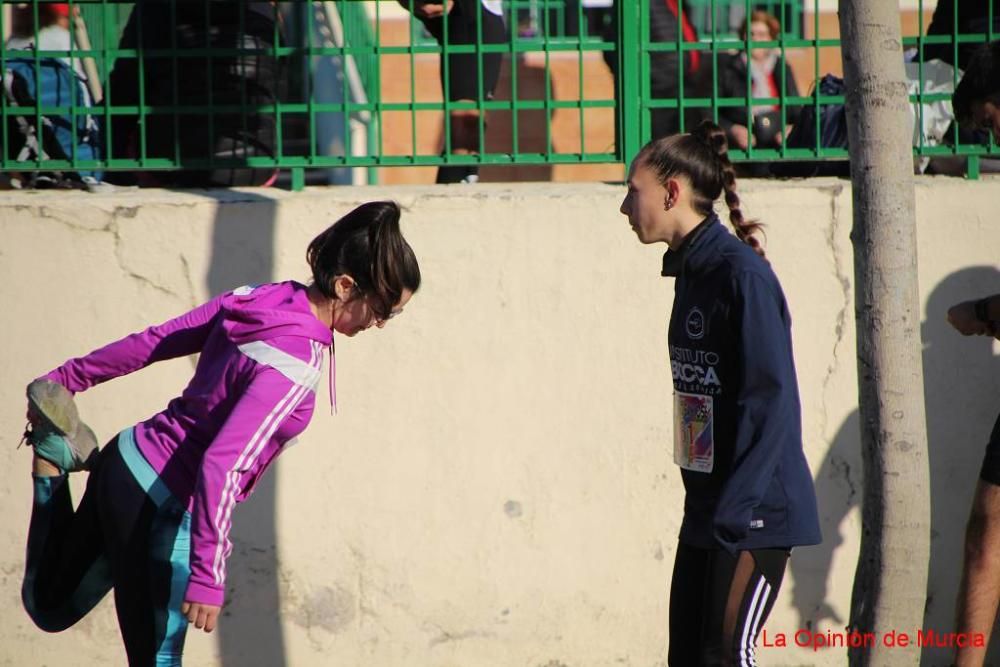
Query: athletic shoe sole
(59, 436)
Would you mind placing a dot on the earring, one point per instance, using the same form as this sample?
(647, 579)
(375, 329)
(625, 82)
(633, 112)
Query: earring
(668, 205)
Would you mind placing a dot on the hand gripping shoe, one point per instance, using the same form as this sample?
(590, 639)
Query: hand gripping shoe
(57, 434)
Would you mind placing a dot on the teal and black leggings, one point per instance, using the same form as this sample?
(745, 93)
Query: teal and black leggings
(128, 534)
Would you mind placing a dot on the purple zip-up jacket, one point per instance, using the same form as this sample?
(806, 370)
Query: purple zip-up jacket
(252, 392)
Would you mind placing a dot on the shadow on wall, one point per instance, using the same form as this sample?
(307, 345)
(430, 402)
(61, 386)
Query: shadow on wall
(249, 629)
(957, 372)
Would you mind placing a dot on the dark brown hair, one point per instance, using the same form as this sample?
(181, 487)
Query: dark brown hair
(367, 245)
(702, 157)
(760, 16)
(980, 83)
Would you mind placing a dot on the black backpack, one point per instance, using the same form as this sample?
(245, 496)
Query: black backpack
(832, 134)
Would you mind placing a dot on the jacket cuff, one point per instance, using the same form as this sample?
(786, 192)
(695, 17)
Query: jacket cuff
(204, 594)
(728, 536)
(57, 377)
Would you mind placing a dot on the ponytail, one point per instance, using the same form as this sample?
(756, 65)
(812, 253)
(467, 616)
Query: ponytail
(367, 245)
(714, 137)
(394, 266)
(703, 158)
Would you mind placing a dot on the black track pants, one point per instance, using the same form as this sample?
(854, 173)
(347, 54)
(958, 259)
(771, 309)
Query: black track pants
(719, 603)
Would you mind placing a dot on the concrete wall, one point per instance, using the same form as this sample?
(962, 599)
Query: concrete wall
(497, 489)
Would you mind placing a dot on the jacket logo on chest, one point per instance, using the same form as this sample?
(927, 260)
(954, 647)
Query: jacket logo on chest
(694, 325)
(694, 370)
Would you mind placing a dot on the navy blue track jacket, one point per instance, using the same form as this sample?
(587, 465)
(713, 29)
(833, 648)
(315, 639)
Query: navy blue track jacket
(738, 432)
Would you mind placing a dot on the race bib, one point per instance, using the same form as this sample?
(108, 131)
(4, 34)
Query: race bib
(694, 444)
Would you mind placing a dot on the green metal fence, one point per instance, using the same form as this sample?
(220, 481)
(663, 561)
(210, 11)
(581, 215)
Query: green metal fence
(718, 44)
(232, 92)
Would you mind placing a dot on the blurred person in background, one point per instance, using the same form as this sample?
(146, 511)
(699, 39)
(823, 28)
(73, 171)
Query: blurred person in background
(466, 21)
(758, 125)
(669, 22)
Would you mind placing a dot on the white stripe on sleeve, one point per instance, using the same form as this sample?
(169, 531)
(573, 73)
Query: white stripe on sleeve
(251, 452)
(301, 373)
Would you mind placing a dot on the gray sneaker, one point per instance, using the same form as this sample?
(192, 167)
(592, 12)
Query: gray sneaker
(57, 434)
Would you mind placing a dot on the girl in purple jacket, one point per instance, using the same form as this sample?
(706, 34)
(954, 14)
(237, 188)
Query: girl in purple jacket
(154, 520)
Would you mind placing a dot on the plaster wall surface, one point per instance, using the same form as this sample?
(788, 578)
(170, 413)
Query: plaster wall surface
(497, 487)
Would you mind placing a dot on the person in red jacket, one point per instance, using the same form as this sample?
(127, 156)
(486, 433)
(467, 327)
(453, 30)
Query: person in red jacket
(669, 23)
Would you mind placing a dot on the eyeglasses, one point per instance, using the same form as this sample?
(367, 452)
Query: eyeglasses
(382, 319)
(378, 310)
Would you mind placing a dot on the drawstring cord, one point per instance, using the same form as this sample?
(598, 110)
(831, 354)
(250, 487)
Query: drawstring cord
(332, 370)
(332, 379)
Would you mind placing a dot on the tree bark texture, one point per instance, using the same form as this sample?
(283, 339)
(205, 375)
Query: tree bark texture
(891, 579)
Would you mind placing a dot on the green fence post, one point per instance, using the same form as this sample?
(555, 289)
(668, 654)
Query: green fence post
(972, 168)
(298, 179)
(629, 86)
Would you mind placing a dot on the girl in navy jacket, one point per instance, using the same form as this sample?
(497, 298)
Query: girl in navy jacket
(737, 435)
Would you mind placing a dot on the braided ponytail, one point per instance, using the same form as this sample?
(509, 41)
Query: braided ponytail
(714, 137)
(703, 158)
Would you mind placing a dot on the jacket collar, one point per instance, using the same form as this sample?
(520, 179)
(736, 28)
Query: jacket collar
(687, 256)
